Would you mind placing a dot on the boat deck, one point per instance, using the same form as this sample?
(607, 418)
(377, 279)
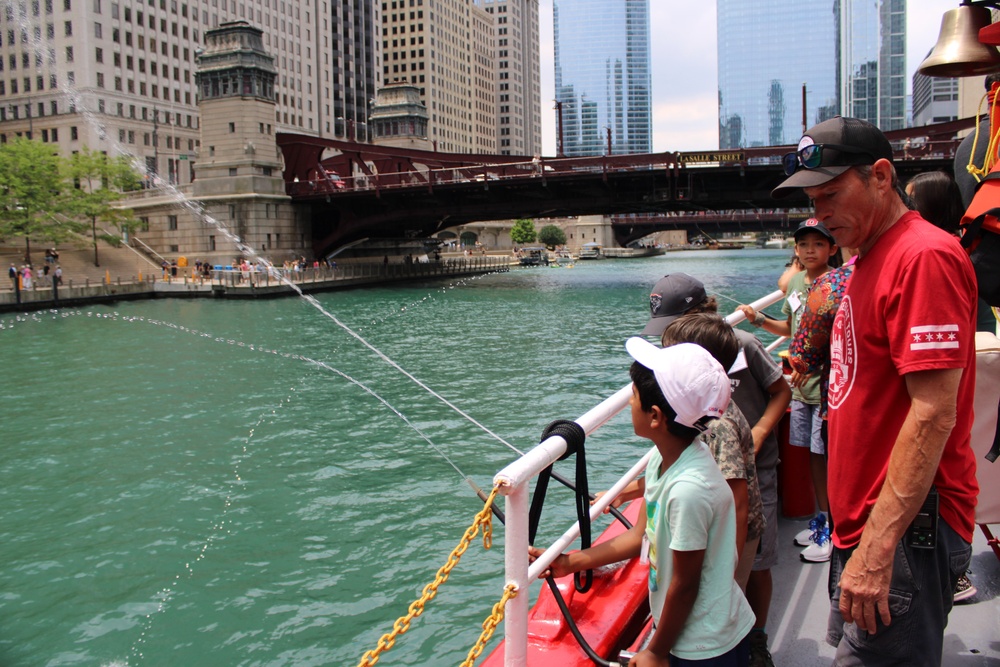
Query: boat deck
(800, 607)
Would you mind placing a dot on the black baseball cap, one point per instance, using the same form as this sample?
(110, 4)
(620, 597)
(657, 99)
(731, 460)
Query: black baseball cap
(672, 296)
(813, 225)
(840, 143)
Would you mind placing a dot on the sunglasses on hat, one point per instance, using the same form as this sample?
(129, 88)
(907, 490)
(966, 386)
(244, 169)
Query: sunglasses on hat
(811, 157)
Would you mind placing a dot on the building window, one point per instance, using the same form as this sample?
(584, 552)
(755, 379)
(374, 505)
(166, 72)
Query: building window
(232, 171)
(68, 29)
(232, 128)
(98, 55)
(73, 133)
(172, 222)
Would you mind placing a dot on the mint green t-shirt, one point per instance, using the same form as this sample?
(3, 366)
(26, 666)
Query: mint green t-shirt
(690, 508)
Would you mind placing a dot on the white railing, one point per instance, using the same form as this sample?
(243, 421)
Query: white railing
(514, 483)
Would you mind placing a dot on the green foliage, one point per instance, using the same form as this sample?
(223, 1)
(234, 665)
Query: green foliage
(551, 236)
(47, 198)
(31, 186)
(99, 182)
(523, 231)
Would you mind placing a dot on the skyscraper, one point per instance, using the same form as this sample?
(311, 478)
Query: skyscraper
(769, 50)
(95, 72)
(519, 123)
(873, 61)
(602, 77)
(447, 48)
(848, 55)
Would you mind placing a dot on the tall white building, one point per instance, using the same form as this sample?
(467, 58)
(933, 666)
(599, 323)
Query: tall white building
(518, 115)
(110, 74)
(447, 49)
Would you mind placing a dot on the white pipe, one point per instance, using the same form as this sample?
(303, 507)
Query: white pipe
(516, 565)
(542, 562)
(776, 344)
(548, 452)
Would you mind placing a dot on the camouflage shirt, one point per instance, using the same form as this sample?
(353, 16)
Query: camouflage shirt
(731, 443)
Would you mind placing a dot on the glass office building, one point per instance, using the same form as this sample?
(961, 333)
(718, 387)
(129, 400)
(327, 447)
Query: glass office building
(873, 43)
(602, 77)
(769, 50)
(849, 55)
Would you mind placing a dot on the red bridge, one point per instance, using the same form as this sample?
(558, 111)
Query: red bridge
(359, 191)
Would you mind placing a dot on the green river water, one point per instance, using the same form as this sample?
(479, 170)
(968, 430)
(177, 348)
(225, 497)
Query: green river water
(189, 482)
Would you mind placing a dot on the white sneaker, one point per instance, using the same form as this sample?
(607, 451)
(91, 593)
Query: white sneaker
(804, 537)
(821, 548)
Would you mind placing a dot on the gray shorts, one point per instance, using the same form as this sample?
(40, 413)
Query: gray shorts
(920, 598)
(805, 427)
(767, 558)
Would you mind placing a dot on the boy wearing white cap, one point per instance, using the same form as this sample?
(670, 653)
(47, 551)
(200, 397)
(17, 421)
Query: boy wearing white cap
(688, 530)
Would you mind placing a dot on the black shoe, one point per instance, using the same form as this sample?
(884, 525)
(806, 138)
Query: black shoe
(759, 655)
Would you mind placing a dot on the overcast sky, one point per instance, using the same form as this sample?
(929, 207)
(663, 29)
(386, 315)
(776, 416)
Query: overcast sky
(684, 61)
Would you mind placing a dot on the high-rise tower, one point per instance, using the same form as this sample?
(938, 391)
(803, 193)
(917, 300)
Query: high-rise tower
(447, 48)
(602, 76)
(761, 82)
(117, 74)
(789, 64)
(873, 61)
(519, 124)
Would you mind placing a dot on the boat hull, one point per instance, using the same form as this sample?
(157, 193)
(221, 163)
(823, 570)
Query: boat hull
(610, 615)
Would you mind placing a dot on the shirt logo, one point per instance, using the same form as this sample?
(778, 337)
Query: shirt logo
(934, 337)
(843, 355)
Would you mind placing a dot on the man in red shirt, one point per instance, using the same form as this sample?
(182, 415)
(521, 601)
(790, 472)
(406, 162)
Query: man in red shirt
(901, 470)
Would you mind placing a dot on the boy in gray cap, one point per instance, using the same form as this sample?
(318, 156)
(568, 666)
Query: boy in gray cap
(762, 395)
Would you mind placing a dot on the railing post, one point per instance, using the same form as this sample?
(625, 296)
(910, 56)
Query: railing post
(516, 569)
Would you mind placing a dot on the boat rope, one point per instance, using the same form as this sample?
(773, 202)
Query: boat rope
(490, 625)
(483, 519)
(575, 436)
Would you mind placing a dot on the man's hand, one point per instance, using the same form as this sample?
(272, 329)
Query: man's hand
(864, 590)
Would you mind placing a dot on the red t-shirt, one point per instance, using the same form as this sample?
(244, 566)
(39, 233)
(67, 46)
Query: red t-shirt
(909, 307)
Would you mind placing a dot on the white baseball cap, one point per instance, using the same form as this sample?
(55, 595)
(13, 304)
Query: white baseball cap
(693, 382)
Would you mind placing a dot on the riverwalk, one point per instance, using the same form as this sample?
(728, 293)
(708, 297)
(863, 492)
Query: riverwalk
(228, 283)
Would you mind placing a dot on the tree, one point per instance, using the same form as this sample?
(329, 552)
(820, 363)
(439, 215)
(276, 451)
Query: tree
(523, 231)
(99, 182)
(551, 236)
(30, 193)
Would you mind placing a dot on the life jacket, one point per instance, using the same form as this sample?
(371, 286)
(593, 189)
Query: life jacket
(981, 223)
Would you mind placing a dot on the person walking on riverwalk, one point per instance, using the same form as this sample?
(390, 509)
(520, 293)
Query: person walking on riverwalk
(12, 274)
(902, 476)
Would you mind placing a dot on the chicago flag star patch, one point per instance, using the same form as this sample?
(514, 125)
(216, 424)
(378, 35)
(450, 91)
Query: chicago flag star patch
(934, 337)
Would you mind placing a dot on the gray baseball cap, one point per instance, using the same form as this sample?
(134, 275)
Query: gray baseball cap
(672, 296)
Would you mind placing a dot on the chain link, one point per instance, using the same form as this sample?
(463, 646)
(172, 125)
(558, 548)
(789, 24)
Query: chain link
(490, 625)
(402, 624)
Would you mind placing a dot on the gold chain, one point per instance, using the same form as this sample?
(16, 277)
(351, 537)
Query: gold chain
(402, 624)
(490, 625)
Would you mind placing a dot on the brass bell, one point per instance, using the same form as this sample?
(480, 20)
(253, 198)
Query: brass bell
(958, 51)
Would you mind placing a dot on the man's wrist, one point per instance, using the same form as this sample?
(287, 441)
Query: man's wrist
(758, 319)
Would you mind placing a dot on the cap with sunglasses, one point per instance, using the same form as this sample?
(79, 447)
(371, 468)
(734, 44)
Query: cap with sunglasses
(829, 149)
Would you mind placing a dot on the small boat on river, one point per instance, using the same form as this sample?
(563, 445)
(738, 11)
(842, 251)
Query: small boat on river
(592, 251)
(534, 256)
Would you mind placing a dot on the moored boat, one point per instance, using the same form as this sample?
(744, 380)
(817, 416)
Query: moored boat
(534, 256)
(592, 251)
(777, 241)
